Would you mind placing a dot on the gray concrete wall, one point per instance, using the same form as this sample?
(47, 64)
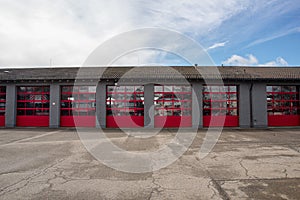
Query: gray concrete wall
(197, 105)
(101, 104)
(244, 105)
(259, 106)
(54, 106)
(149, 106)
(11, 106)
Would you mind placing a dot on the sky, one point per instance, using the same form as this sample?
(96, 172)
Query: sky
(232, 32)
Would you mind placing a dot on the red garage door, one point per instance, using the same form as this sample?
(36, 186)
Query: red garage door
(125, 106)
(77, 107)
(173, 106)
(33, 105)
(283, 106)
(2, 105)
(220, 106)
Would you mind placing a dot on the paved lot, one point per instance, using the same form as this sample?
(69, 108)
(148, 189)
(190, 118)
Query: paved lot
(245, 164)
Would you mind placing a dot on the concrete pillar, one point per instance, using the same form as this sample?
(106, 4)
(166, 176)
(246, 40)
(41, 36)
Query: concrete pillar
(244, 105)
(54, 106)
(149, 106)
(11, 106)
(259, 105)
(197, 105)
(101, 105)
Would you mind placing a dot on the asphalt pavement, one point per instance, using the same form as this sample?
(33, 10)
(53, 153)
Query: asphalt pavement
(37, 163)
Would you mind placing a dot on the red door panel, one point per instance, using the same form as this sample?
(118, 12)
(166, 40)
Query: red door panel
(125, 121)
(33, 121)
(2, 120)
(172, 121)
(77, 121)
(219, 121)
(283, 120)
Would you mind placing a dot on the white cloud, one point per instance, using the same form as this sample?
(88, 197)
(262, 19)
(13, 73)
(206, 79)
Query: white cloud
(190, 16)
(274, 36)
(278, 62)
(237, 60)
(34, 32)
(149, 57)
(139, 58)
(261, 21)
(251, 60)
(216, 45)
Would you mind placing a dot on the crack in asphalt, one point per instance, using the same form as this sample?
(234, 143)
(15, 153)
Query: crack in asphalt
(294, 148)
(255, 179)
(26, 181)
(12, 172)
(211, 187)
(214, 183)
(221, 191)
(246, 170)
(285, 172)
(157, 189)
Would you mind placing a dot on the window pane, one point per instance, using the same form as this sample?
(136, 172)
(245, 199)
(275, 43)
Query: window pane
(269, 88)
(232, 97)
(177, 89)
(186, 88)
(21, 112)
(168, 88)
(130, 89)
(276, 88)
(110, 88)
(215, 89)
(46, 89)
(206, 89)
(139, 89)
(232, 88)
(158, 88)
(223, 89)
(121, 89)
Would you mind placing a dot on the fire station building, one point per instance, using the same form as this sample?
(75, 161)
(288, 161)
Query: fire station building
(151, 97)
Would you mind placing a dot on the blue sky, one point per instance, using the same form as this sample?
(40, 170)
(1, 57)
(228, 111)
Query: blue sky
(233, 32)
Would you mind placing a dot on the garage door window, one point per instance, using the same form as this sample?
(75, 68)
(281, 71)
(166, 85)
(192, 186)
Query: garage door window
(220, 101)
(173, 100)
(78, 100)
(2, 100)
(282, 100)
(33, 101)
(125, 101)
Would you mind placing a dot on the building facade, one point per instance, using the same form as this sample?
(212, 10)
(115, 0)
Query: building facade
(150, 97)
